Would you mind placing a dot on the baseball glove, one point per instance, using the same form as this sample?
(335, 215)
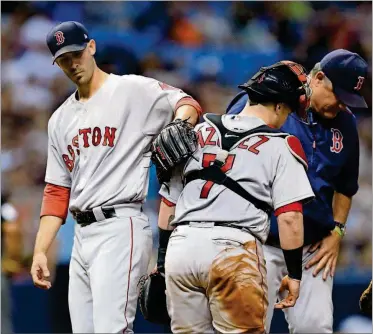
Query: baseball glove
(152, 298)
(172, 147)
(366, 301)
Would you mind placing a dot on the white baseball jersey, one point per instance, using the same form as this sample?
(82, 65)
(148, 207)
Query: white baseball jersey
(100, 148)
(263, 164)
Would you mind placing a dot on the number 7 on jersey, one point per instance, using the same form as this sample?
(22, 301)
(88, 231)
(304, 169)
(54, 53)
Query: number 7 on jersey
(208, 159)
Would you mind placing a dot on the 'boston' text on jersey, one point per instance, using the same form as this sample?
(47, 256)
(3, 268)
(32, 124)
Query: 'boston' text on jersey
(90, 137)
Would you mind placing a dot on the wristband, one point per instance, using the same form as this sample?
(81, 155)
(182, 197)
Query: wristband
(164, 236)
(293, 260)
(340, 229)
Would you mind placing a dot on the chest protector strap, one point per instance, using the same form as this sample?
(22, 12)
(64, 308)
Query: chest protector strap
(215, 174)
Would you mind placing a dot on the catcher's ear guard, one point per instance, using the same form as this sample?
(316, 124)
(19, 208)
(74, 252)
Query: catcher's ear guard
(152, 298)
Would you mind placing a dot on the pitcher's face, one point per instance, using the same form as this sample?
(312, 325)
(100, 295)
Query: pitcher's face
(79, 65)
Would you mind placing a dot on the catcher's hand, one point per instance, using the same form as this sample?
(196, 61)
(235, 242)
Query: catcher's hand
(293, 287)
(152, 298)
(172, 147)
(366, 301)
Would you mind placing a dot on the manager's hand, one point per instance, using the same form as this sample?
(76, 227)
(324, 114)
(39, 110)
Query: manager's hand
(326, 255)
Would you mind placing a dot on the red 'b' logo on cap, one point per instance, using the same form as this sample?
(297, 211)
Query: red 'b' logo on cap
(359, 83)
(60, 38)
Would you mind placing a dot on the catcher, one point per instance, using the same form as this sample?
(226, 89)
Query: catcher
(214, 215)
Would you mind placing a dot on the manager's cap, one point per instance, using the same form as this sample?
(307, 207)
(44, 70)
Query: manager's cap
(347, 71)
(66, 37)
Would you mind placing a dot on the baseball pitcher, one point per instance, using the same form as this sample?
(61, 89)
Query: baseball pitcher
(98, 168)
(243, 169)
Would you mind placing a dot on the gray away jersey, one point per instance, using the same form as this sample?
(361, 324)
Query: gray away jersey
(100, 148)
(262, 164)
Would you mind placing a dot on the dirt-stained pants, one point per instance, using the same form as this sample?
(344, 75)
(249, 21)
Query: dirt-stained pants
(215, 279)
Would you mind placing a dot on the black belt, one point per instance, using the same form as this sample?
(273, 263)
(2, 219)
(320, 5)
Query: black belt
(225, 224)
(85, 218)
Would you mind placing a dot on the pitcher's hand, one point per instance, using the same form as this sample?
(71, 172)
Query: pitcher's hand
(293, 287)
(39, 271)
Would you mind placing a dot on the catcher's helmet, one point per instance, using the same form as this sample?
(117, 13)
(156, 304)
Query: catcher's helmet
(282, 82)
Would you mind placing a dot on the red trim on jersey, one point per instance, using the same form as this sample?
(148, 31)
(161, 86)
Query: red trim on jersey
(129, 276)
(167, 202)
(55, 201)
(190, 102)
(295, 206)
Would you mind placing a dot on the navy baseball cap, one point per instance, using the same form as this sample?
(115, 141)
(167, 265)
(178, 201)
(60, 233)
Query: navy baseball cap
(347, 71)
(66, 37)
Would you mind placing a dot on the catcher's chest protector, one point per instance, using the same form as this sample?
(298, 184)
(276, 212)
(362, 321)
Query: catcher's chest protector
(230, 138)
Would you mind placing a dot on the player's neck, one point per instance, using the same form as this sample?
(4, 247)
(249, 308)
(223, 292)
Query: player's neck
(88, 90)
(261, 112)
